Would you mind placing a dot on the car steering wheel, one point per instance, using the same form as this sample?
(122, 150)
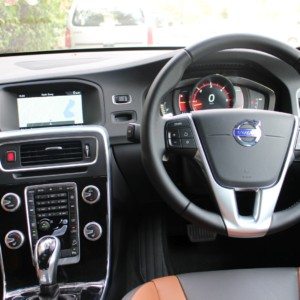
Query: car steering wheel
(238, 149)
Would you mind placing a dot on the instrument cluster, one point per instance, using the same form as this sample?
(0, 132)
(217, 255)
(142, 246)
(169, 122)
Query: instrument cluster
(217, 91)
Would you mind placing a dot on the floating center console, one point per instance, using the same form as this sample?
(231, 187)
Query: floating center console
(52, 209)
(55, 181)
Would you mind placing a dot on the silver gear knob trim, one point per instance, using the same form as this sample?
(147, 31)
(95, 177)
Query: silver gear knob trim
(46, 256)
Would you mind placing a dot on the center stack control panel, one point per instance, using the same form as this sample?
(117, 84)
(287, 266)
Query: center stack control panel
(64, 192)
(52, 209)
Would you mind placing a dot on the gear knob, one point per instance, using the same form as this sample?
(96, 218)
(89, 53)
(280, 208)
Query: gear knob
(46, 255)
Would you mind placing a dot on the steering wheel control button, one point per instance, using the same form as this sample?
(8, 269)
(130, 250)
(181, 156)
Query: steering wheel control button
(180, 137)
(173, 134)
(174, 143)
(92, 231)
(178, 123)
(10, 202)
(186, 133)
(188, 143)
(90, 194)
(14, 239)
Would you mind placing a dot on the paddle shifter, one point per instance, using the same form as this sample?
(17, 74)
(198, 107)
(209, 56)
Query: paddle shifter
(47, 253)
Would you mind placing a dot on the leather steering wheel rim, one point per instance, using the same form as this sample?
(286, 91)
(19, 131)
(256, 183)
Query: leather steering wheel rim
(152, 136)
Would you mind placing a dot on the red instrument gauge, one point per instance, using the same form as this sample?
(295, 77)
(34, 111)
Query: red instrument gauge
(183, 101)
(212, 92)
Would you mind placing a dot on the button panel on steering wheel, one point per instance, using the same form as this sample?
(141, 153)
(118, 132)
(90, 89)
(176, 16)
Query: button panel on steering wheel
(179, 136)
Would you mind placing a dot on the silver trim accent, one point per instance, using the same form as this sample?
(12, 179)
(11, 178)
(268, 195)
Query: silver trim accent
(62, 261)
(53, 148)
(61, 231)
(97, 198)
(47, 276)
(108, 221)
(30, 133)
(114, 100)
(76, 285)
(85, 231)
(265, 200)
(18, 202)
(2, 273)
(21, 236)
(103, 282)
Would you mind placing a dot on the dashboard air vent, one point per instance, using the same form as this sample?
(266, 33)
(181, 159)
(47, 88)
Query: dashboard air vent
(51, 153)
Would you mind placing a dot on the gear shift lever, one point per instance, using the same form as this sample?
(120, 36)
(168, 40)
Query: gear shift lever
(46, 255)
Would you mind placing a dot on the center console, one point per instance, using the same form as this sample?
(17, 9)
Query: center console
(52, 209)
(55, 181)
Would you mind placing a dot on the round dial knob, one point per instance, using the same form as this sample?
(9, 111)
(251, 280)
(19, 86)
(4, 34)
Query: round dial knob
(92, 231)
(90, 194)
(10, 202)
(44, 225)
(14, 239)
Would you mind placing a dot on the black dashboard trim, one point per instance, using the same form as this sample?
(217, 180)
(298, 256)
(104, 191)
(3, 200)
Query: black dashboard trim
(93, 103)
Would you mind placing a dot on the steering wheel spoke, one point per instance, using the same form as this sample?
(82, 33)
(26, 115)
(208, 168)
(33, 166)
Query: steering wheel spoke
(255, 225)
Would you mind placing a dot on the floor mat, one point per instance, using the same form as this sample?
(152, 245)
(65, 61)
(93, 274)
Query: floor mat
(279, 250)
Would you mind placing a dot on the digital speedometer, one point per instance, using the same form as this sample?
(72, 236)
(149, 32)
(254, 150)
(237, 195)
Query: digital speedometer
(214, 91)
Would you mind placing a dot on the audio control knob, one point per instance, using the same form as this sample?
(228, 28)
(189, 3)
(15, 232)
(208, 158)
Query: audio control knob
(10, 202)
(90, 194)
(14, 239)
(44, 225)
(92, 231)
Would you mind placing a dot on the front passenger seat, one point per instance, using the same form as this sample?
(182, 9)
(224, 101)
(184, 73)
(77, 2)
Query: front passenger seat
(244, 284)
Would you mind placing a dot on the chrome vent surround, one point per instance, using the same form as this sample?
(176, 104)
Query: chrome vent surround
(46, 153)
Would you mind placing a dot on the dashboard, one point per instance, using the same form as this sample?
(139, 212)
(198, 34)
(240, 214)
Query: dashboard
(70, 102)
(217, 91)
(259, 81)
(63, 130)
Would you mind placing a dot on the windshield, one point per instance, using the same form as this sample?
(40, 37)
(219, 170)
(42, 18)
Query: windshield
(43, 25)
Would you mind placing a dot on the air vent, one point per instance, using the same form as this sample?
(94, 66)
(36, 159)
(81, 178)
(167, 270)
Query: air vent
(51, 153)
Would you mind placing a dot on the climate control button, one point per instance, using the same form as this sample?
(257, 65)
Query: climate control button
(14, 239)
(92, 231)
(90, 194)
(10, 202)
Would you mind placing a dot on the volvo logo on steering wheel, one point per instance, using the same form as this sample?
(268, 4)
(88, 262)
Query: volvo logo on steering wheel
(247, 133)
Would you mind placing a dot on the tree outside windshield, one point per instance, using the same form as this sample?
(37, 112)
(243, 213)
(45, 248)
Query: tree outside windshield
(46, 25)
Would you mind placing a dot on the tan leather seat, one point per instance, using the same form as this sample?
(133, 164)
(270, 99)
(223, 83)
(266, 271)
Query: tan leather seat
(247, 284)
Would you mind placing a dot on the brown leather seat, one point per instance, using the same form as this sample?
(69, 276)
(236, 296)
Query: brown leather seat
(254, 284)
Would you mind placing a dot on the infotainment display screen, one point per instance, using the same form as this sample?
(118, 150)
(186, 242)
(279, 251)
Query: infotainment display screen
(50, 109)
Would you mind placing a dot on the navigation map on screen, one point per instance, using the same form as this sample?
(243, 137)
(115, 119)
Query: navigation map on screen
(50, 110)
